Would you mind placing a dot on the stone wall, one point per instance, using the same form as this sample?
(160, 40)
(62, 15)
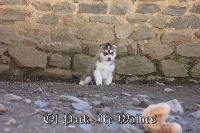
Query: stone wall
(57, 38)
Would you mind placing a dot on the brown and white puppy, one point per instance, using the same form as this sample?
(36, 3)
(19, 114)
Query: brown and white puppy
(102, 67)
(160, 111)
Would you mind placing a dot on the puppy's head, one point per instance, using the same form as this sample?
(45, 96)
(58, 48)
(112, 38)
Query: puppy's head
(107, 52)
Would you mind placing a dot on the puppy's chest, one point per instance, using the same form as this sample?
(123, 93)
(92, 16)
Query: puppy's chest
(105, 68)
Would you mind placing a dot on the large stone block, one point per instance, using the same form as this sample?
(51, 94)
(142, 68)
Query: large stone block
(137, 18)
(62, 34)
(175, 39)
(52, 73)
(81, 62)
(119, 7)
(93, 8)
(28, 57)
(189, 50)
(43, 6)
(14, 14)
(171, 68)
(181, 1)
(159, 22)
(123, 31)
(93, 49)
(4, 68)
(148, 8)
(13, 2)
(4, 59)
(49, 19)
(175, 10)
(100, 34)
(60, 61)
(36, 33)
(196, 8)
(143, 33)
(195, 71)
(7, 35)
(66, 47)
(134, 65)
(64, 7)
(157, 51)
(72, 20)
(197, 34)
(104, 19)
(185, 22)
(151, 0)
(3, 49)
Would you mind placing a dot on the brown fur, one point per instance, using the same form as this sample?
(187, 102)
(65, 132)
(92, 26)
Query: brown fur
(160, 111)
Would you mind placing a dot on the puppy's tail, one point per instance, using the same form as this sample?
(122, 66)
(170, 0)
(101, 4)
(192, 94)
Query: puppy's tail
(81, 82)
(85, 81)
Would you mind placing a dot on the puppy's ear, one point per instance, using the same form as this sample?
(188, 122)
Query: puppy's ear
(102, 46)
(114, 46)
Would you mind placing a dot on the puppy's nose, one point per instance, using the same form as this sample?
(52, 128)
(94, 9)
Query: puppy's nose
(109, 58)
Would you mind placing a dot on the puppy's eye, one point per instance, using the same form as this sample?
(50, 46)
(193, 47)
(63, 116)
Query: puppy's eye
(105, 53)
(112, 53)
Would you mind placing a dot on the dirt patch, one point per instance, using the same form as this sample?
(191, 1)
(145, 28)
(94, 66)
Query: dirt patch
(188, 94)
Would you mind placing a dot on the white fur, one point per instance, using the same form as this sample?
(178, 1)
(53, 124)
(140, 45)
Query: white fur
(86, 81)
(103, 73)
(104, 69)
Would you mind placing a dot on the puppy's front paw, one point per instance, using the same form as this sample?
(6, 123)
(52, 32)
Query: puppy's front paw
(81, 83)
(98, 83)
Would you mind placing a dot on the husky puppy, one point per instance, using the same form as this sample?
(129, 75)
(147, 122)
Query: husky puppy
(102, 67)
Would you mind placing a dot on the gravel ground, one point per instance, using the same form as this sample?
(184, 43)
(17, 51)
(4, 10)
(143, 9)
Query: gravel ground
(29, 117)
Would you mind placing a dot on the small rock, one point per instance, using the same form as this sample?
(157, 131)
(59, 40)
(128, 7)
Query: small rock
(196, 114)
(42, 111)
(56, 109)
(65, 98)
(168, 90)
(7, 129)
(87, 113)
(81, 106)
(170, 79)
(133, 112)
(114, 126)
(2, 108)
(144, 103)
(96, 95)
(27, 101)
(126, 94)
(19, 126)
(129, 104)
(71, 126)
(135, 102)
(107, 98)
(106, 110)
(132, 79)
(11, 122)
(11, 97)
(86, 127)
(175, 106)
(142, 96)
(41, 104)
(152, 77)
(160, 83)
(96, 103)
(127, 128)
